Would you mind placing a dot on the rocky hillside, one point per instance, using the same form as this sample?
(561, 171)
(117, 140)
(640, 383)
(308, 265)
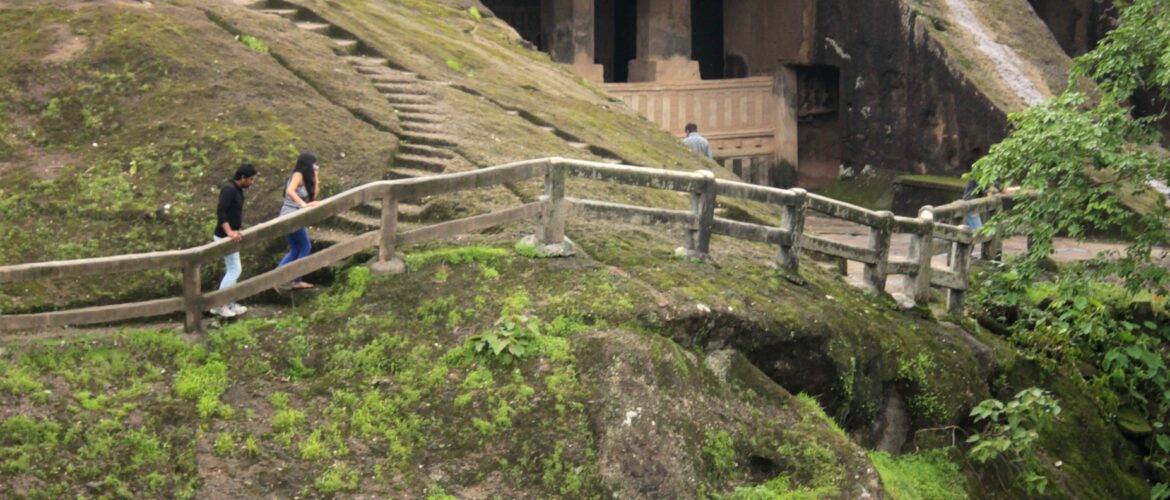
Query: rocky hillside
(481, 372)
(926, 85)
(123, 118)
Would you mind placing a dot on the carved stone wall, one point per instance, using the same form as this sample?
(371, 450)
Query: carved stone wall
(745, 119)
(905, 105)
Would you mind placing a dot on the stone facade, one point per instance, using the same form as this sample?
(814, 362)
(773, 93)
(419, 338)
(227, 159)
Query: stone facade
(749, 124)
(853, 83)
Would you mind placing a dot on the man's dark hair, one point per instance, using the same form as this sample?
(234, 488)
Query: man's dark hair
(691, 127)
(244, 171)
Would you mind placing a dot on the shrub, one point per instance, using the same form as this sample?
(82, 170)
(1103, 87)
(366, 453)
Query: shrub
(1012, 429)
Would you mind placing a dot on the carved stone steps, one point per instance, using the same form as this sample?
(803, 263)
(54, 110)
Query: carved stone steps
(426, 163)
(418, 117)
(328, 237)
(312, 27)
(422, 128)
(289, 14)
(408, 173)
(396, 98)
(367, 62)
(392, 77)
(346, 45)
(359, 221)
(428, 109)
(425, 150)
(399, 87)
(430, 139)
(407, 212)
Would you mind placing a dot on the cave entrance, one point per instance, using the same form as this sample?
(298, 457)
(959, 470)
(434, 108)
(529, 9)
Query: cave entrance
(522, 15)
(819, 144)
(1077, 25)
(707, 37)
(616, 37)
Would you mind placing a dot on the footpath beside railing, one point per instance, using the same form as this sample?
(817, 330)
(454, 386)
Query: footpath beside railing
(550, 213)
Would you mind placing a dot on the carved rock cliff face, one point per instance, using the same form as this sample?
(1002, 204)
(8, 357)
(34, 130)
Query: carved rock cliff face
(927, 88)
(902, 106)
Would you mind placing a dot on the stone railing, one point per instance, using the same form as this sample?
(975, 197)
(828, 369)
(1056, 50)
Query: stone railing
(956, 212)
(550, 213)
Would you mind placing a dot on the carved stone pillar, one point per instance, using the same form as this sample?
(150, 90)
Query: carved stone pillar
(568, 26)
(664, 42)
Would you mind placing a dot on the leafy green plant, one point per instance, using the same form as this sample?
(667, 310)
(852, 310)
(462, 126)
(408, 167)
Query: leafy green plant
(253, 43)
(436, 492)
(1012, 430)
(338, 477)
(204, 384)
(528, 250)
(455, 256)
(719, 450)
(930, 475)
(514, 337)
(474, 12)
(300, 347)
(224, 444)
(1090, 161)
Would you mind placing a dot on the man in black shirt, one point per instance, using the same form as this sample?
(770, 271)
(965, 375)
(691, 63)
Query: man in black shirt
(229, 213)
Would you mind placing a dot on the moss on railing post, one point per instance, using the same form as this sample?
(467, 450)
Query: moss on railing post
(879, 242)
(788, 258)
(192, 296)
(922, 252)
(961, 266)
(388, 262)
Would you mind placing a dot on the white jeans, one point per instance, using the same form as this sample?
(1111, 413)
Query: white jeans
(232, 263)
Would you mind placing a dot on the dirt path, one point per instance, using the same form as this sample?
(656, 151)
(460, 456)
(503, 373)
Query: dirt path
(1067, 250)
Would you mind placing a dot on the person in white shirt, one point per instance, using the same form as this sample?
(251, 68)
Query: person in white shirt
(696, 142)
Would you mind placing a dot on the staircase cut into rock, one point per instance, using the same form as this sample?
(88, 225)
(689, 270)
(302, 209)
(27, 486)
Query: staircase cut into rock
(426, 148)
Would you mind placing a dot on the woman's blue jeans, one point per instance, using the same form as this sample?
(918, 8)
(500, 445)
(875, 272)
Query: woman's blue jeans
(298, 247)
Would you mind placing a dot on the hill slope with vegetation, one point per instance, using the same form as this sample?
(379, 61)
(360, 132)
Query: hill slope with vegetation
(480, 372)
(484, 373)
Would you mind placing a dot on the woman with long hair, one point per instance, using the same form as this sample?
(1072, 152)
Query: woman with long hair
(300, 191)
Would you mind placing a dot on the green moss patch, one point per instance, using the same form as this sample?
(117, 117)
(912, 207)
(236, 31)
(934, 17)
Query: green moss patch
(927, 475)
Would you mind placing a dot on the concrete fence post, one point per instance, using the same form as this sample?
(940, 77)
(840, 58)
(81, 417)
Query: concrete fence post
(550, 240)
(993, 247)
(879, 242)
(922, 252)
(192, 296)
(388, 262)
(962, 268)
(788, 258)
(703, 207)
(550, 228)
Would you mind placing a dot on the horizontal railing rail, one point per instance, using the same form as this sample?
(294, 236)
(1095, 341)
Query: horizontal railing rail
(549, 213)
